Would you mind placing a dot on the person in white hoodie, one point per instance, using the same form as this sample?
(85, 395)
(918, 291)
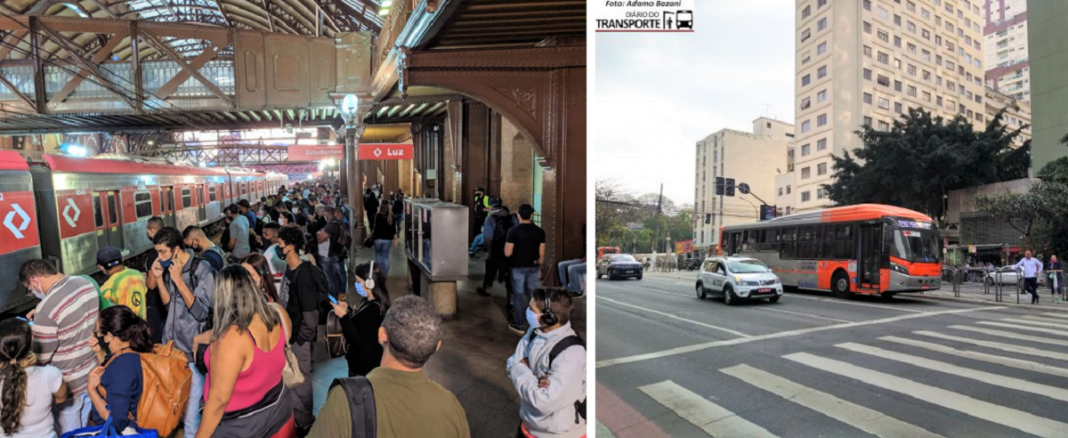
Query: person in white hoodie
(548, 369)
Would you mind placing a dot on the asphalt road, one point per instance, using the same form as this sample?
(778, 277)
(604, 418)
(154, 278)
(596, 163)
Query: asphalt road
(669, 364)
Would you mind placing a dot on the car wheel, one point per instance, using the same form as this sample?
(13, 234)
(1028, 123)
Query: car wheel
(840, 285)
(729, 298)
(773, 300)
(639, 277)
(701, 293)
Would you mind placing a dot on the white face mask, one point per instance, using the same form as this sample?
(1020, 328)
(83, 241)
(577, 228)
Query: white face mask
(37, 292)
(532, 318)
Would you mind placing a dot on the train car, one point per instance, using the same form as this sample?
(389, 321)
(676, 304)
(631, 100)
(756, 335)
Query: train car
(19, 238)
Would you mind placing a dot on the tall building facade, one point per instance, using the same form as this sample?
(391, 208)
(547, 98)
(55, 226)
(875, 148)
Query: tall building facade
(1048, 29)
(1017, 114)
(1008, 70)
(866, 62)
(752, 158)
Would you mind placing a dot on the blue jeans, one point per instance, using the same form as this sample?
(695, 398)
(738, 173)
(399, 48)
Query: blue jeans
(196, 396)
(573, 275)
(335, 274)
(398, 221)
(382, 248)
(477, 244)
(524, 281)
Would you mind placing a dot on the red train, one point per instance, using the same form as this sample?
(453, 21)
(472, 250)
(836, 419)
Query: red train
(64, 209)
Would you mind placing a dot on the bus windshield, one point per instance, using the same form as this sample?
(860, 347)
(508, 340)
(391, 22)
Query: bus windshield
(916, 245)
(747, 267)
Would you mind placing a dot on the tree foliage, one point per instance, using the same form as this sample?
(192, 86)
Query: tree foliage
(1040, 215)
(921, 158)
(617, 208)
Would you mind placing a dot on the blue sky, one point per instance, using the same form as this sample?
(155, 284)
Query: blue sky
(658, 94)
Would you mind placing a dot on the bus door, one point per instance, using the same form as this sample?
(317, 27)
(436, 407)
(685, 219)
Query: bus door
(871, 246)
(167, 209)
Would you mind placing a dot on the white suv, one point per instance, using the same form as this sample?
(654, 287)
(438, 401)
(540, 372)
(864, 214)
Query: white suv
(737, 279)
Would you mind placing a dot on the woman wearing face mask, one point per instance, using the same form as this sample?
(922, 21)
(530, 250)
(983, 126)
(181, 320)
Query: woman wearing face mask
(360, 326)
(29, 390)
(125, 335)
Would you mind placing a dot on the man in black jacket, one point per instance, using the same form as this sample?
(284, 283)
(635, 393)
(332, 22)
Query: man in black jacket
(304, 287)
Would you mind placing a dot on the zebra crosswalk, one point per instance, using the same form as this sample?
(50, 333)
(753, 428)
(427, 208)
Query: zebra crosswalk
(1018, 365)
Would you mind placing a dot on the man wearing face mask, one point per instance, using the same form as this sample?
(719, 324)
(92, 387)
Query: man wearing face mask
(276, 263)
(63, 323)
(186, 288)
(549, 370)
(195, 239)
(304, 288)
(155, 311)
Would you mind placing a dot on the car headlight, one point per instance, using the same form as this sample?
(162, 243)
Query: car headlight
(898, 268)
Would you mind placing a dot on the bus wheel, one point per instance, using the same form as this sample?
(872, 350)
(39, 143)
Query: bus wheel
(887, 296)
(840, 285)
(701, 294)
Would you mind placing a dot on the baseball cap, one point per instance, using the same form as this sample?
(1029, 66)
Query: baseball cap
(495, 202)
(479, 189)
(108, 257)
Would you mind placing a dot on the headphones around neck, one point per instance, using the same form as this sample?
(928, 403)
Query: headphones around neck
(370, 281)
(547, 317)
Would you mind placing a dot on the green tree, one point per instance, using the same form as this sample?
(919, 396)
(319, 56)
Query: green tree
(1040, 215)
(921, 158)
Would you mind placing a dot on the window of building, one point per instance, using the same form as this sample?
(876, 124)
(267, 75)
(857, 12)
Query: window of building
(898, 108)
(912, 91)
(926, 34)
(867, 5)
(897, 85)
(867, 51)
(882, 13)
(883, 80)
(884, 103)
(806, 34)
(806, 172)
(884, 35)
(926, 55)
(867, 98)
(821, 72)
(897, 63)
(821, 96)
(821, 3)
(822, 24)
(821, 120)
(911, 70)
(867, 27)
(926, 75)
(806, 126)
(910, 6)
(925, 13)
(938, 100)
(805, 150)
(897, 20)
(806, 12)
(883, 126)
(821, 144)
(805, 196)
(805, 103)
(911, 48)
(897, 41)
(867, 74)
(867, 121)
(821, 169)
(787, 190)
(911, 27)
(805, 80)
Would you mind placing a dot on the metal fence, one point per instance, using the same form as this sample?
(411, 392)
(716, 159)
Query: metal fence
(979, 280)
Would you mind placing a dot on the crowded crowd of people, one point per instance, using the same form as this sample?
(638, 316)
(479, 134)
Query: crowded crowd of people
(225, 331)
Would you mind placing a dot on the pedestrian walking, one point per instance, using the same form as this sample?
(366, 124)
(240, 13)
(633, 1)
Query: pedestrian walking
(1032, 268)
(1056, 278)
(525, 248)
(370, 205)
(384, 236)
(398, 210)
(494, 234)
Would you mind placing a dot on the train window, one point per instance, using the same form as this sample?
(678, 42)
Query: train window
(244, 189)
(187, 198)
(211, 193)
(113, 210)
(142, 204)
(97, 211)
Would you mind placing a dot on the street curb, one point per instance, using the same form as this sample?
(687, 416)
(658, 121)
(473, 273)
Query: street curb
(1041, 305)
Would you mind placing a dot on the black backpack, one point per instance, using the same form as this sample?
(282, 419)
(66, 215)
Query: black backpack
(559, 347)
(362, 411)
(501, 225)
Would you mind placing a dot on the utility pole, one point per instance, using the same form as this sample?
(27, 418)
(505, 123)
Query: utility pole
(659, 207)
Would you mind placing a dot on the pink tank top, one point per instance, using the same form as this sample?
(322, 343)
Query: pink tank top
(260, 377)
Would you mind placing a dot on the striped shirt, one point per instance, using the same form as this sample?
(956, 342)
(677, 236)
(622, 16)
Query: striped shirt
(62, 325)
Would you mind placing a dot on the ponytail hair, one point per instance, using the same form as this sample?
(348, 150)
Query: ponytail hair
(16, 346)
(124, 324)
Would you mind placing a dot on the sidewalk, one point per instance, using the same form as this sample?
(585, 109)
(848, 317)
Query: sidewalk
(471, 361)
(969, 292)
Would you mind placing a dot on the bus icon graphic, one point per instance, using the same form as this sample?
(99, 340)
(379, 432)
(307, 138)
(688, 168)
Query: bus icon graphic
(684, 20)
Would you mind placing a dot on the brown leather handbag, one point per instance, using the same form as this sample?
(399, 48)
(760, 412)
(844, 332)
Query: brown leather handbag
(335, 336)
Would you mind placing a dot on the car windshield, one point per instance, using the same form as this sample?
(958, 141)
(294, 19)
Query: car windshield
(622, 258)
(747, 267)
(916, 245)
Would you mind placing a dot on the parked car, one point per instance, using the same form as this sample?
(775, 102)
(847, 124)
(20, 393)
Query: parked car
(619, 266)
(1007, 275)
(690, 265)
(737, 279)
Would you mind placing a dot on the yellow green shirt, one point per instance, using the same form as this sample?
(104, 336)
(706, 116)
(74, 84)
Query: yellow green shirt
(126, 288)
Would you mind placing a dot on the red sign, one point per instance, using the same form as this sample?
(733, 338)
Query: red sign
(75, 209)
(315, 152)
(19, 218)
(386, 151)
(684, 247)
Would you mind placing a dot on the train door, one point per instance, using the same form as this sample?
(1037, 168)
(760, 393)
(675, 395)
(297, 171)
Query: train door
(99, 220)
(110, 234)
(202, 212)
(167, 207)
(871, 235)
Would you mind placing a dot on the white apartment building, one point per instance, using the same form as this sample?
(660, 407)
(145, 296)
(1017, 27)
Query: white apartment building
(752, 158)
(1017, 114)
(1006, 48)
(866, 62)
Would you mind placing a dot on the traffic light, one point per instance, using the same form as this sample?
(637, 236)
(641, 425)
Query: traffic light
(728, 188)
(708, 218)
(719, 186)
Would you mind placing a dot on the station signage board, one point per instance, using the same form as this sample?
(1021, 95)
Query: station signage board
(315, 152)
(386, 151)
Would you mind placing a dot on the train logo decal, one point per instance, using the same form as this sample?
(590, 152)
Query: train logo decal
(66, 213)
(17, 231)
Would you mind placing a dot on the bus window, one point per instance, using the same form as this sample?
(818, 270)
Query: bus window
(788, 243)
(843, 241)
(771, 239)
(826, 250)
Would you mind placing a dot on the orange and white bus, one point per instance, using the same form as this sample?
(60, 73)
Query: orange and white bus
(863, 249)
